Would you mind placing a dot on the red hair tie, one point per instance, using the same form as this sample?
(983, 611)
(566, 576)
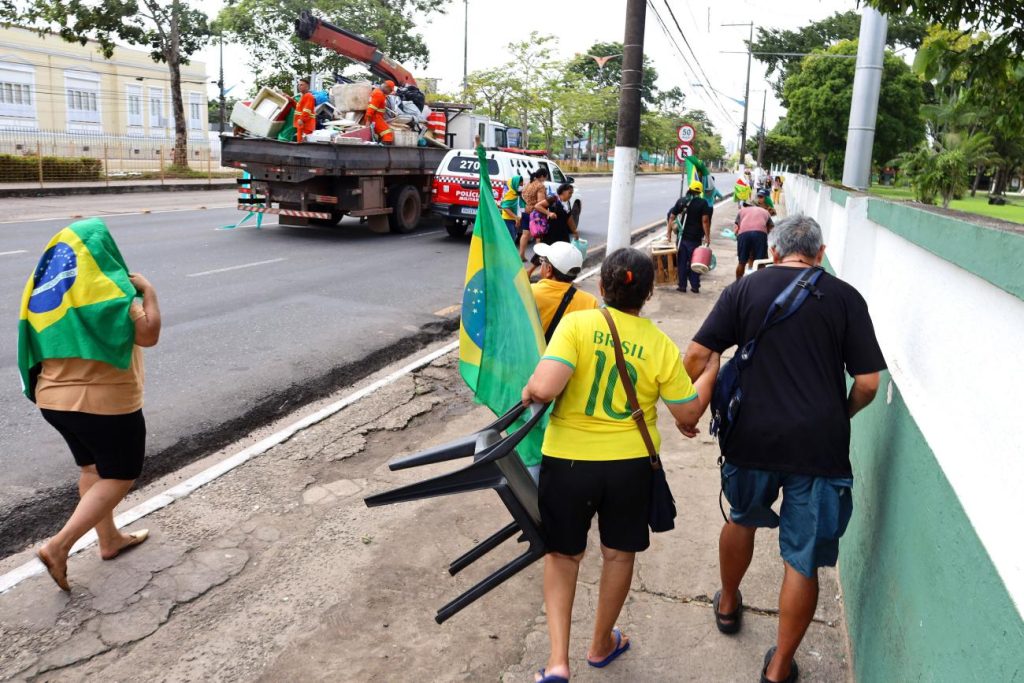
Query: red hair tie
(629, 276)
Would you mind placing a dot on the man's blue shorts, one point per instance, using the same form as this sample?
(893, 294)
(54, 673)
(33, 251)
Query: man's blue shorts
(751, 245)
(814, 513)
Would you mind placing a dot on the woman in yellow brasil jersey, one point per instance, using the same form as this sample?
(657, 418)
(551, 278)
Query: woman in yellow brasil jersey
(595, 460)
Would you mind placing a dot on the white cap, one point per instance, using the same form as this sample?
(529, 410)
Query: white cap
(561, 255)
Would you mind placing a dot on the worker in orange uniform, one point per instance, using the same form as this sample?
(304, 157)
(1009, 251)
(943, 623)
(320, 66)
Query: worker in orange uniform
(305, 114)
(375, 113)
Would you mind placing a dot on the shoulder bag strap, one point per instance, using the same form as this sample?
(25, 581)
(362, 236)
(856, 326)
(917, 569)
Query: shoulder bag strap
(785, 304)
(627, 384)
(559, 312)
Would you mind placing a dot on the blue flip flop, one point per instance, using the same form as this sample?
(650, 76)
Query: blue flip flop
(544, 678)
(619, 649)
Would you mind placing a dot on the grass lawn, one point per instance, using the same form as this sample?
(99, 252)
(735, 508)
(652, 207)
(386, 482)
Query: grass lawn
(1013, 212)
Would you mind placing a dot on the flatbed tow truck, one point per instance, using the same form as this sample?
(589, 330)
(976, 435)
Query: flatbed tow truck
(319, 183)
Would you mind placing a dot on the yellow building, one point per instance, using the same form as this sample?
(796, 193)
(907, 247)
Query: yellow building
(50, 88)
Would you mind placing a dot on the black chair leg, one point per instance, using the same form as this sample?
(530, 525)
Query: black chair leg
(494, 580)
(482, 548)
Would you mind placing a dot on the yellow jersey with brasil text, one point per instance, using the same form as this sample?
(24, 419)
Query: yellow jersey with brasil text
(591, 419)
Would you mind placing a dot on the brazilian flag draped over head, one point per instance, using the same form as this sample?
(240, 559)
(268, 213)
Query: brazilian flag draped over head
(695, 170)
(75, 304)
(500, 337)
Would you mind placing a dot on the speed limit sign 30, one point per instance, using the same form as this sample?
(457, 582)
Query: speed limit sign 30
(686, 133)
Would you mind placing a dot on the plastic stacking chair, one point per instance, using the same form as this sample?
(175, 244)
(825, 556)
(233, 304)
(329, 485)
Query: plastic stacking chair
(495, 466)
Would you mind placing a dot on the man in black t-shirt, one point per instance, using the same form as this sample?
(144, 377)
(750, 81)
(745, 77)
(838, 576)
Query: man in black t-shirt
(691, 215)
(793, 429)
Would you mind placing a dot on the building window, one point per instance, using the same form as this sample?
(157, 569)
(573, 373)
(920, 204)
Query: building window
(157, 122)
(134, 95)
(17, 94)
(83, 100)
(195, 111)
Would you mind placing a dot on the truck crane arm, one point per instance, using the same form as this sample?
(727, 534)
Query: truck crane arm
(351, 45)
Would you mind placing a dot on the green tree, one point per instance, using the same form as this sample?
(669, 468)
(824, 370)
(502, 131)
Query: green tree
(277, 56)
(819, 96)
(1002, 18)
(213, 112)
(968, 100)
(780, 49)
(173, 31)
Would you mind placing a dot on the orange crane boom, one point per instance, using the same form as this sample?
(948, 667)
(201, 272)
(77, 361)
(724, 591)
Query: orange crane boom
(354, 46)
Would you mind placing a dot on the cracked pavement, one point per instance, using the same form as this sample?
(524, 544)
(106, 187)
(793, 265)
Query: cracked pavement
(277, 570)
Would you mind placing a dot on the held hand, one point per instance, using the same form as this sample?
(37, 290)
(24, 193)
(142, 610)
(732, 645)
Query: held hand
(551, 215)
(527, 397)
(140, 283)
(689, 431)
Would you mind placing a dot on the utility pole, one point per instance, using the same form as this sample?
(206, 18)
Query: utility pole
(220, 83)
(465, 49)
(627, 136)
(867, 82)
(760, 140)
(746, 94)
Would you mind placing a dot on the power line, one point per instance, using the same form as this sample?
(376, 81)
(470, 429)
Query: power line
(710, 99)
(707, 81)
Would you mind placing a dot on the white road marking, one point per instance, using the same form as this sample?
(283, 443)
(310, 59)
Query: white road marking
(244, 265)
(34, 567)
(10, 253)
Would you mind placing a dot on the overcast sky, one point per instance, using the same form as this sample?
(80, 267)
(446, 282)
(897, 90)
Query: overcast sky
(578, 25)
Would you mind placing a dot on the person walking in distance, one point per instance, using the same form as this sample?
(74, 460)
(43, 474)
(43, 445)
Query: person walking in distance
(595, 457)
(690, 216)
(79, 352)
(792, 433)
(753, 223)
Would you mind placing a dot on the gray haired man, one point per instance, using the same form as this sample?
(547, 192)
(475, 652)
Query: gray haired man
(793, 433)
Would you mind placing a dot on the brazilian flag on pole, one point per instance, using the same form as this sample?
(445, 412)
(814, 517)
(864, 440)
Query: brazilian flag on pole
(500, 337)
(75, 304)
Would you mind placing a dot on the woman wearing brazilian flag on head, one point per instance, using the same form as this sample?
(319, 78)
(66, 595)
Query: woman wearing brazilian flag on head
(80, 360)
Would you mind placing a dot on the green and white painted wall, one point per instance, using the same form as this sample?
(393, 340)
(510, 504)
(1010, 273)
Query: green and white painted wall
(932, 566)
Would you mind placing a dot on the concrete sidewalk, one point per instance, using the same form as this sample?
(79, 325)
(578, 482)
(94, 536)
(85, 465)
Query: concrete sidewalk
(277, 571)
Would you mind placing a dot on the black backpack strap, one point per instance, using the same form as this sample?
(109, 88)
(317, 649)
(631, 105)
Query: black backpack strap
(559, 312)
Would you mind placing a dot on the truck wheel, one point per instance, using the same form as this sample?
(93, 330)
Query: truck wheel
(406, 207)
(456, 228)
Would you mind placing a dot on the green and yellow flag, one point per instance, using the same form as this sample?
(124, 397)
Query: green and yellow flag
(500, 337)
(75, 304)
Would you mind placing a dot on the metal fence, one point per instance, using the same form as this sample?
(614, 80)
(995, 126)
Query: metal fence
(45, 158)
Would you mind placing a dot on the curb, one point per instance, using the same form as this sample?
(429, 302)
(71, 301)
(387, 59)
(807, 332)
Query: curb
(8, 193)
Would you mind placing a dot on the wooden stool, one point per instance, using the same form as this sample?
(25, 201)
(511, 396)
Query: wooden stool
(665, 268)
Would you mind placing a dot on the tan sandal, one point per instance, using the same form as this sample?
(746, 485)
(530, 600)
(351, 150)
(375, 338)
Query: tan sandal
(135, 538)
(60, 578)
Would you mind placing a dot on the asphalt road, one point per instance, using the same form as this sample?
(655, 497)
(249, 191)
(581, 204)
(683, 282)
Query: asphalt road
(255, 321)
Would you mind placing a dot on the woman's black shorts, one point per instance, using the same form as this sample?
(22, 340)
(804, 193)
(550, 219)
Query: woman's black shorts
(115, 444)
(572, 491)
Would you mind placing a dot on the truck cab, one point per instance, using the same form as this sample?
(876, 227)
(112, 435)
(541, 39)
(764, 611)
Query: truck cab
(464, 127)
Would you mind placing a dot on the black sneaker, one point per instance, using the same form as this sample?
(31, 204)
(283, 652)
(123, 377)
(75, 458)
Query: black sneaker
(794, 672)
